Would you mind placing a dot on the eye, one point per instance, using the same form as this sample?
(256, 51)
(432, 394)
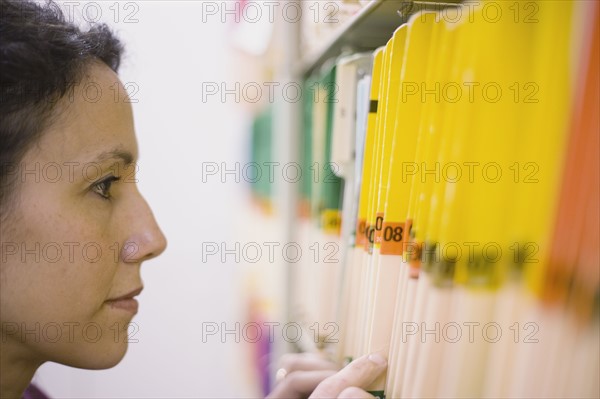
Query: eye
(102, 188)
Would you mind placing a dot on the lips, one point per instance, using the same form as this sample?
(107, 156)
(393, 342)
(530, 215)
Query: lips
(129, 295)
(126, 302)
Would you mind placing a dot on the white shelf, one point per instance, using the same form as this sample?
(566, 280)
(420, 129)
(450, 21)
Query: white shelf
(370, 28)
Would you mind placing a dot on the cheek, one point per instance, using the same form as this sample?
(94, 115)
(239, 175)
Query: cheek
(59, 271)
(61, 264)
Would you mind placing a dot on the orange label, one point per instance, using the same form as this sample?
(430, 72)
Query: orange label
(392, 238)
(361, 232)
(414, 251)
(369, 237)
(378, 228)
(408, 229)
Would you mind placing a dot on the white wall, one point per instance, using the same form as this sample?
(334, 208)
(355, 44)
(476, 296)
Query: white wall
(170, 52)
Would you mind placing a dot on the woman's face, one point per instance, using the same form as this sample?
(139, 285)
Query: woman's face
(77, 233)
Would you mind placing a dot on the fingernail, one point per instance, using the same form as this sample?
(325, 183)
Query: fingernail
(378, 359)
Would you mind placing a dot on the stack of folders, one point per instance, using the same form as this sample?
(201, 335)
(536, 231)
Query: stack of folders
(451, 203)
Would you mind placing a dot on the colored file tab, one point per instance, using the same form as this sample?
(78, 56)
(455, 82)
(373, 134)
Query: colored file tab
(369, 151)
(405, 129)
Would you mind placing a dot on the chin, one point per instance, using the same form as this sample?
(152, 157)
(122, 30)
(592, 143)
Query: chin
(93, 356)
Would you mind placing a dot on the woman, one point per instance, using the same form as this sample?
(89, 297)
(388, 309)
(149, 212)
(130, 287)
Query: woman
(74, 227)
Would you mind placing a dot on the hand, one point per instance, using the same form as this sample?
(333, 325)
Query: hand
(308, 373)
(351, 381)
(299, 375)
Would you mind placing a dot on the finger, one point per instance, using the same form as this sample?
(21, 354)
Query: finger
(302, 362)
(306, 361)
(355, 393)
(360, 373)
(299, 384)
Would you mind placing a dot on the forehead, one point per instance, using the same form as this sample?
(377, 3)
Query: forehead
(94, 117)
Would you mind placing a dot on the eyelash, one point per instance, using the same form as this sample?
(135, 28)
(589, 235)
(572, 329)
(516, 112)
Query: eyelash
(102, 188)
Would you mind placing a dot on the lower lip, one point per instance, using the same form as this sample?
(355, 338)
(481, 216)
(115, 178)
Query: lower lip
(129, 304)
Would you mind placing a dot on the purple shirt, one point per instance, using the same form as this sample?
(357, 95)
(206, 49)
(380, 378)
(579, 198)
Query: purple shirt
(33, 392)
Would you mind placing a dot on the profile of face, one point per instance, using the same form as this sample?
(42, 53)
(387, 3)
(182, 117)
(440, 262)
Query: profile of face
(76, 233)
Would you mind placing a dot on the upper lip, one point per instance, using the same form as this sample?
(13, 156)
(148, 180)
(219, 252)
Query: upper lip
(129, 295)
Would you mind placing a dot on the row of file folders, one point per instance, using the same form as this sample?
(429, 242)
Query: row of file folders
(458, 197)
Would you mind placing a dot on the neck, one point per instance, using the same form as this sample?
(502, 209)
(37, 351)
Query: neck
(17, 368)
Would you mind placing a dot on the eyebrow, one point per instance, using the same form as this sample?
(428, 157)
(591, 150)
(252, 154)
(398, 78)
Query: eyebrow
(125, 156)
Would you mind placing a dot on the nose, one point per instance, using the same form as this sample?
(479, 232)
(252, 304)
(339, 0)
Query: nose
(145, 239)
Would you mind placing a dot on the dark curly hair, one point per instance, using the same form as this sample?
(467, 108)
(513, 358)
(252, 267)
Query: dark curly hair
(42, 56)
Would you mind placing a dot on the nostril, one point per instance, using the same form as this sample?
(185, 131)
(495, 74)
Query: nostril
(159, 247)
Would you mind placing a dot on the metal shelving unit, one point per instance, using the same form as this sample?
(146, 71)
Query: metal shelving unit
(370, 28)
